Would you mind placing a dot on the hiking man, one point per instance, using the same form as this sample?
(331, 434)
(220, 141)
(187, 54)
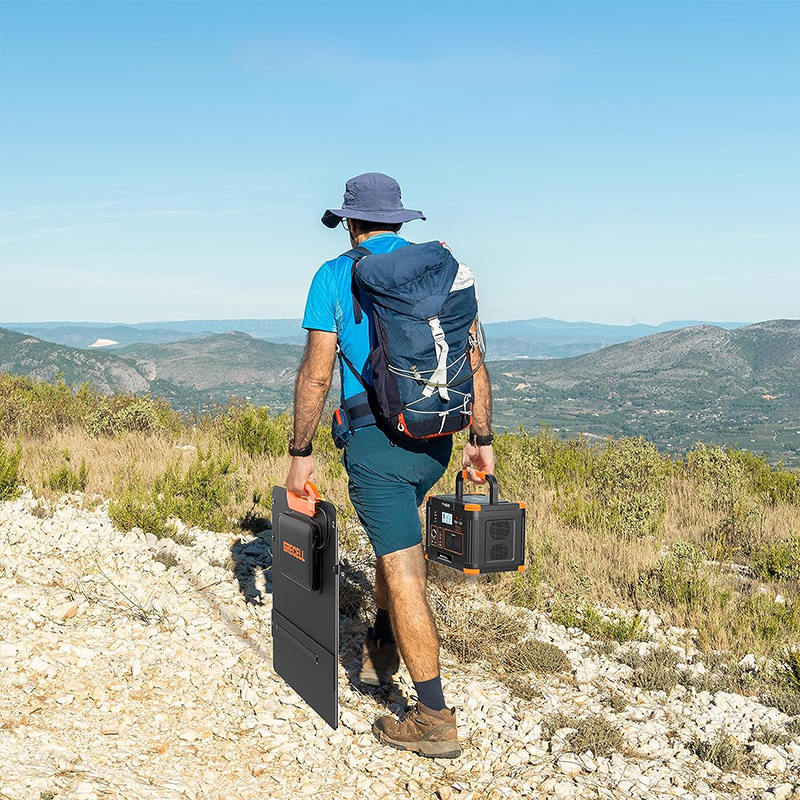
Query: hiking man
(390, 473)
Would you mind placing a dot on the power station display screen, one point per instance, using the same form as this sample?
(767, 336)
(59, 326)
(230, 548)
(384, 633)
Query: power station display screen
(447, 518)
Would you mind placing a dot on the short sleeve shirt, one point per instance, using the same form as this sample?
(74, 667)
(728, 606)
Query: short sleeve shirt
(329, 307)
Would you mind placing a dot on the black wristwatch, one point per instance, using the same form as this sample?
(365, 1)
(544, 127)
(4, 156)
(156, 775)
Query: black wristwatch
(299, 452)
(480, 441)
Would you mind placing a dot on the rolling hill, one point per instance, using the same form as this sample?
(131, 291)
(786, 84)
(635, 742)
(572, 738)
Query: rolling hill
(739, 386)
(201, 372)
(677, 387)
(25, 355)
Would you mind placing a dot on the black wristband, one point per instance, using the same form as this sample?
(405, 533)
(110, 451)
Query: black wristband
(480, 441)
(300, 452)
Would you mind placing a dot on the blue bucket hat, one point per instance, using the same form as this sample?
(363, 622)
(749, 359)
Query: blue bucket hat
(372, 197)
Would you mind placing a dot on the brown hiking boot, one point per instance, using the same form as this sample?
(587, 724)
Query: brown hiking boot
(422, 730)
(379, 660)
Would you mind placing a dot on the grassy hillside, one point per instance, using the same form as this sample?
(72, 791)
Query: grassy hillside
(710, 542)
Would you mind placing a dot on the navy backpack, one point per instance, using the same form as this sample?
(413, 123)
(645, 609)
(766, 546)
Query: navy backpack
(424, 306)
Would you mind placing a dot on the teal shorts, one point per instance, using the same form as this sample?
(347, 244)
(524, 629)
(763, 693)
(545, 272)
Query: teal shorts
(389, 481)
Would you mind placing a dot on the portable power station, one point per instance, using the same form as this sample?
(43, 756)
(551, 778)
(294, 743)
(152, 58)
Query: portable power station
(474, 533)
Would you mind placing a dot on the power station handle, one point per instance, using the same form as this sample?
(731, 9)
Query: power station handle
(494, 487)
(305, 505)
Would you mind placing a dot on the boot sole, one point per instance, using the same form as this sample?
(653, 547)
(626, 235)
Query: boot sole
(423, 747)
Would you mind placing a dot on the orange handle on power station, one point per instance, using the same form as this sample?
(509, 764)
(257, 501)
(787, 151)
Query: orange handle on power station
(481, 475)
(304, 505)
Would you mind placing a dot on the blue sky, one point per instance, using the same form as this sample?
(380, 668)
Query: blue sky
(591, 160)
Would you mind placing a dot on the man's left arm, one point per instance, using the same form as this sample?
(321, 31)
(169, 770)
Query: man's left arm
(310, 391)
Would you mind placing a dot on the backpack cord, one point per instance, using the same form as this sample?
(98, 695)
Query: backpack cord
(368, 388)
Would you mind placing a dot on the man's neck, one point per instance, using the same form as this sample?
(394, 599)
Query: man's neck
(362, 237)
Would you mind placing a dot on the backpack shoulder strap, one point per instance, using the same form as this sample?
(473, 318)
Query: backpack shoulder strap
(352, 368)
(356, 254)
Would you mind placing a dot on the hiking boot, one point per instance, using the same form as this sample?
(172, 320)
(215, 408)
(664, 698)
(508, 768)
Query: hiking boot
(422, 730)
(379, 660)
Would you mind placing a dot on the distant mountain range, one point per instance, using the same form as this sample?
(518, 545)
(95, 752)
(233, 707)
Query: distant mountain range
(739, 386)
(193, 374)
(701, 383)
(526, 338)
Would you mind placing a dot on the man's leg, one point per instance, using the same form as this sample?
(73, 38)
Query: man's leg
(382, 630)
(430, 727)
(403, 574)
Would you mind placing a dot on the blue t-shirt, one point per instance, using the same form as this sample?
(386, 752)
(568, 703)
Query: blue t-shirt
(329, 307)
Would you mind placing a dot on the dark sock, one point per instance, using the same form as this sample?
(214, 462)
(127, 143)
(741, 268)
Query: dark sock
(383, 626)
(430, 694)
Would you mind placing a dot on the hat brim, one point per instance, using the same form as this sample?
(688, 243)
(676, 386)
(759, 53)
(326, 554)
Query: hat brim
(333, 216)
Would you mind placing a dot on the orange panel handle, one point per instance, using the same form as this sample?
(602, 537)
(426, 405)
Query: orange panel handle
(304, 505)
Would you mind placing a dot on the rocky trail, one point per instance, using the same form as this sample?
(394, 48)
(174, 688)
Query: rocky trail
(138, 668)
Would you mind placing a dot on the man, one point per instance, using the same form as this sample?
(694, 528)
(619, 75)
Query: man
(388, 477)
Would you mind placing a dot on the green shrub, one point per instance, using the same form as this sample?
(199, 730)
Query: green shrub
(531, 655)
(625, 490)
(135, 507)
(254, 430)
(67, 480)
(29, 407)
(779, 561)
(200, 496)
(774, 485)
(120, 413)
(679, 580)
(655, 671)
(773, 623)
(615, 626)
(790, 670)
(9, 471)
(725, 487)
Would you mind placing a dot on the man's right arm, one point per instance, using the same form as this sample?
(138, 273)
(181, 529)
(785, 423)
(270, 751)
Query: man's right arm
(479, 457)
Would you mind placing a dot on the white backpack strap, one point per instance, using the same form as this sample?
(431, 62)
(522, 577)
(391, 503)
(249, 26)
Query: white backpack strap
(438, 379)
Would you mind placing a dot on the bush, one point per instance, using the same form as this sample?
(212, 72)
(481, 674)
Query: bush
(66, 480)
(614, 626)
(625, 491)
(774, 485)
(531, 655)
(724, 487)
(199, 496)
(135, 507)
(655, 671)
(790, 670)
(593, 733)
(120, 413)
(679, 580)
(723, 752)
(30, 407)
(254, 430)
(9, 471)
(778, 561)
(773, 623)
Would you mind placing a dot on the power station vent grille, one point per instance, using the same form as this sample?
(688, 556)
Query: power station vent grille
(499, 540)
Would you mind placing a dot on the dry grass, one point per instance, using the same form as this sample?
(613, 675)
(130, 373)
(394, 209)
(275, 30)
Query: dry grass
(724, 752)
(594, 733)
(568, 562)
